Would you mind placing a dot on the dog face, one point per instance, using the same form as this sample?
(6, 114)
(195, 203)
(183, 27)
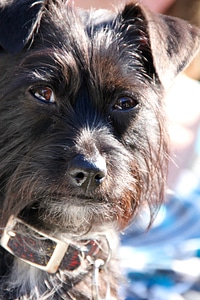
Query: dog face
(83, 138)
(83, 142)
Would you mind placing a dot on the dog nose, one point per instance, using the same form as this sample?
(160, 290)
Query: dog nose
(88, 173)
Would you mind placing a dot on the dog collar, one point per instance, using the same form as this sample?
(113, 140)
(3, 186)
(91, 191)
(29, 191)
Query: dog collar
(45, 252)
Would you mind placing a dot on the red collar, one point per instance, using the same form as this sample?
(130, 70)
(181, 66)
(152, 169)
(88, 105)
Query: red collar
(45, 252)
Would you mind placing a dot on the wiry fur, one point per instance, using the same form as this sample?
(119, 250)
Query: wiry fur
(91, 61)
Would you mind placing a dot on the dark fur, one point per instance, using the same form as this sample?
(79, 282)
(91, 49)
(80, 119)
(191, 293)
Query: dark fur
(90, 60)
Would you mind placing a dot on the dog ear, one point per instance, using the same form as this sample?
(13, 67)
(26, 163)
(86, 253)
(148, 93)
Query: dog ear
(18, 20)
(173, 42)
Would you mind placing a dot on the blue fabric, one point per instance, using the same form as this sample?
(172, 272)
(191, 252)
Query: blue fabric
(166, 260)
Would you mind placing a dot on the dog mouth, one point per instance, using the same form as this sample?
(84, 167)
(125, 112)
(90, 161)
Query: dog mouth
(58, 213)
(82, 199)
(76, 199)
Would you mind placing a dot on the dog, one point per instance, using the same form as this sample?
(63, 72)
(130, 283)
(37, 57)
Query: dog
(84, 141)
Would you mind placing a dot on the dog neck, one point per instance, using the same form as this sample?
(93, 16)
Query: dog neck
(45, 252)
(34, 252)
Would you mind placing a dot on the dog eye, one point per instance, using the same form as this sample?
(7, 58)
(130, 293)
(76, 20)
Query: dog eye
(125, 103)
(43, 93)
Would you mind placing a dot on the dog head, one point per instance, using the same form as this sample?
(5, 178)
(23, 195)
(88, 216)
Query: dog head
(82, 124)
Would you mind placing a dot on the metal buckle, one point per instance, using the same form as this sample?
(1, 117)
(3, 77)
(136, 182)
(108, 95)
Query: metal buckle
(43, 252)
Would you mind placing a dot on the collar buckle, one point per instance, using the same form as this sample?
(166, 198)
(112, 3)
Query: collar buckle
(32, 246)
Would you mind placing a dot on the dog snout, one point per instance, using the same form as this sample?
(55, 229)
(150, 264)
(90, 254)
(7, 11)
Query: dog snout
(88, 173)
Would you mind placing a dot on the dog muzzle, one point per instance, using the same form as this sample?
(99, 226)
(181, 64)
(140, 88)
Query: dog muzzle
(45, 252)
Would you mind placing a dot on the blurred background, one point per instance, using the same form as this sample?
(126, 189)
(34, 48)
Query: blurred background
(164, 262)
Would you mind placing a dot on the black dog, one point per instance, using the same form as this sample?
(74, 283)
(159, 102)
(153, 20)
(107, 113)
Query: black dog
(83, 139)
